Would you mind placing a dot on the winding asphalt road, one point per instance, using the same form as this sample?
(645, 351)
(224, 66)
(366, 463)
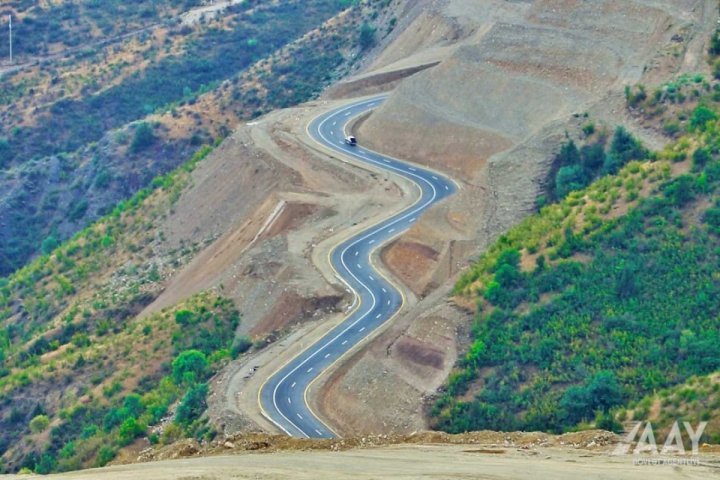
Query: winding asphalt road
(283, 397)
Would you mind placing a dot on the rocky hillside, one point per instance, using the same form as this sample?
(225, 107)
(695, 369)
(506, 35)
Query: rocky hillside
(128, 107)
(92, 362)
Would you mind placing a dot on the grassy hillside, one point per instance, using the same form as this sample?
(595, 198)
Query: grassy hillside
(122, 113)
(73, 355)
(606, 297)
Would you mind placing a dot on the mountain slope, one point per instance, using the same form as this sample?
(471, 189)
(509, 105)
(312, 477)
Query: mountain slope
(599, 300)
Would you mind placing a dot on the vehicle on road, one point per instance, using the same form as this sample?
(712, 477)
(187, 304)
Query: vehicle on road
(352, 141)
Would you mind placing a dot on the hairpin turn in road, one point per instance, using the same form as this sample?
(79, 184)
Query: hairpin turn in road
(283, 396)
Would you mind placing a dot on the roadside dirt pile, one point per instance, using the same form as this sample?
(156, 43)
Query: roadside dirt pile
(596, 440)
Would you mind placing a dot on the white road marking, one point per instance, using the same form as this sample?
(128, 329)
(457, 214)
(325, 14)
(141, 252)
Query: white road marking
(447, 188)
(386, 160)
(388, 302)
(384, 291)
(299, 416)
(378, 315)
(310, 369)
(293, 385)
(412, 220)
(357, 252)
(412, 169)
(289, 401)
(434, 177)
(371, 242)
(348, 114)
(371, 278)
(327, 355)
(334, 123)
(359, 266)
(362, 329)
(318, 431)
(332, 133)
(391, 230)
(344, 342)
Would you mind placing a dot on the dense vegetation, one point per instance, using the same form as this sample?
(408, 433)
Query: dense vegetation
(574, 169)
(600, 299)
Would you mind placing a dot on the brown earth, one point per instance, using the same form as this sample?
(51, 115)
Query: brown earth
(428, 455)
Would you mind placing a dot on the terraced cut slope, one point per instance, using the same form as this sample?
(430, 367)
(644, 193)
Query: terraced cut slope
(283, 396)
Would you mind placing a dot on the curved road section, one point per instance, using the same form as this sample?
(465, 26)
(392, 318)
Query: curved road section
(283, 397)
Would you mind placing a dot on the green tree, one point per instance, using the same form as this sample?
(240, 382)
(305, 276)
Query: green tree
(144, 137)
(129, 431)
(189, 367)
(592, 156)
(700, 158)
(49, 244)
(701, 116)
(568, 179)
(367, 36)
(105, 455)
(193, 405)
(39, 423)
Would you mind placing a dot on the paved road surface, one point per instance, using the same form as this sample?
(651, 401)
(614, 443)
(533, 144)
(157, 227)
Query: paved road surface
(282, 397)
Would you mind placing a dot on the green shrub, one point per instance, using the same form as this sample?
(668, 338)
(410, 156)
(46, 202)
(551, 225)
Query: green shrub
(39, 423)
(192, 406)
(189, 367)
(143, 138)
(367, 36)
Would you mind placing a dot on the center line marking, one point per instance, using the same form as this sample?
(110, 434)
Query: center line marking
(359, 266)
(384, 291)
(289, 401)
(344, 342)
(299, 416)
(363, 328)
(310, 369)
(327, 355)
(371, 278)
(388, 302)
(371, 242)
(378, 315)
(391, 230)
(293, 385)
(357, 252)
(434, 177)
(412, 169)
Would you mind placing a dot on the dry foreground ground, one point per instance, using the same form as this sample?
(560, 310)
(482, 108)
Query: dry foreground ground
(479, 455)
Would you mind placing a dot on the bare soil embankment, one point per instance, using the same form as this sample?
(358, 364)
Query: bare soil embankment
(426, 455)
